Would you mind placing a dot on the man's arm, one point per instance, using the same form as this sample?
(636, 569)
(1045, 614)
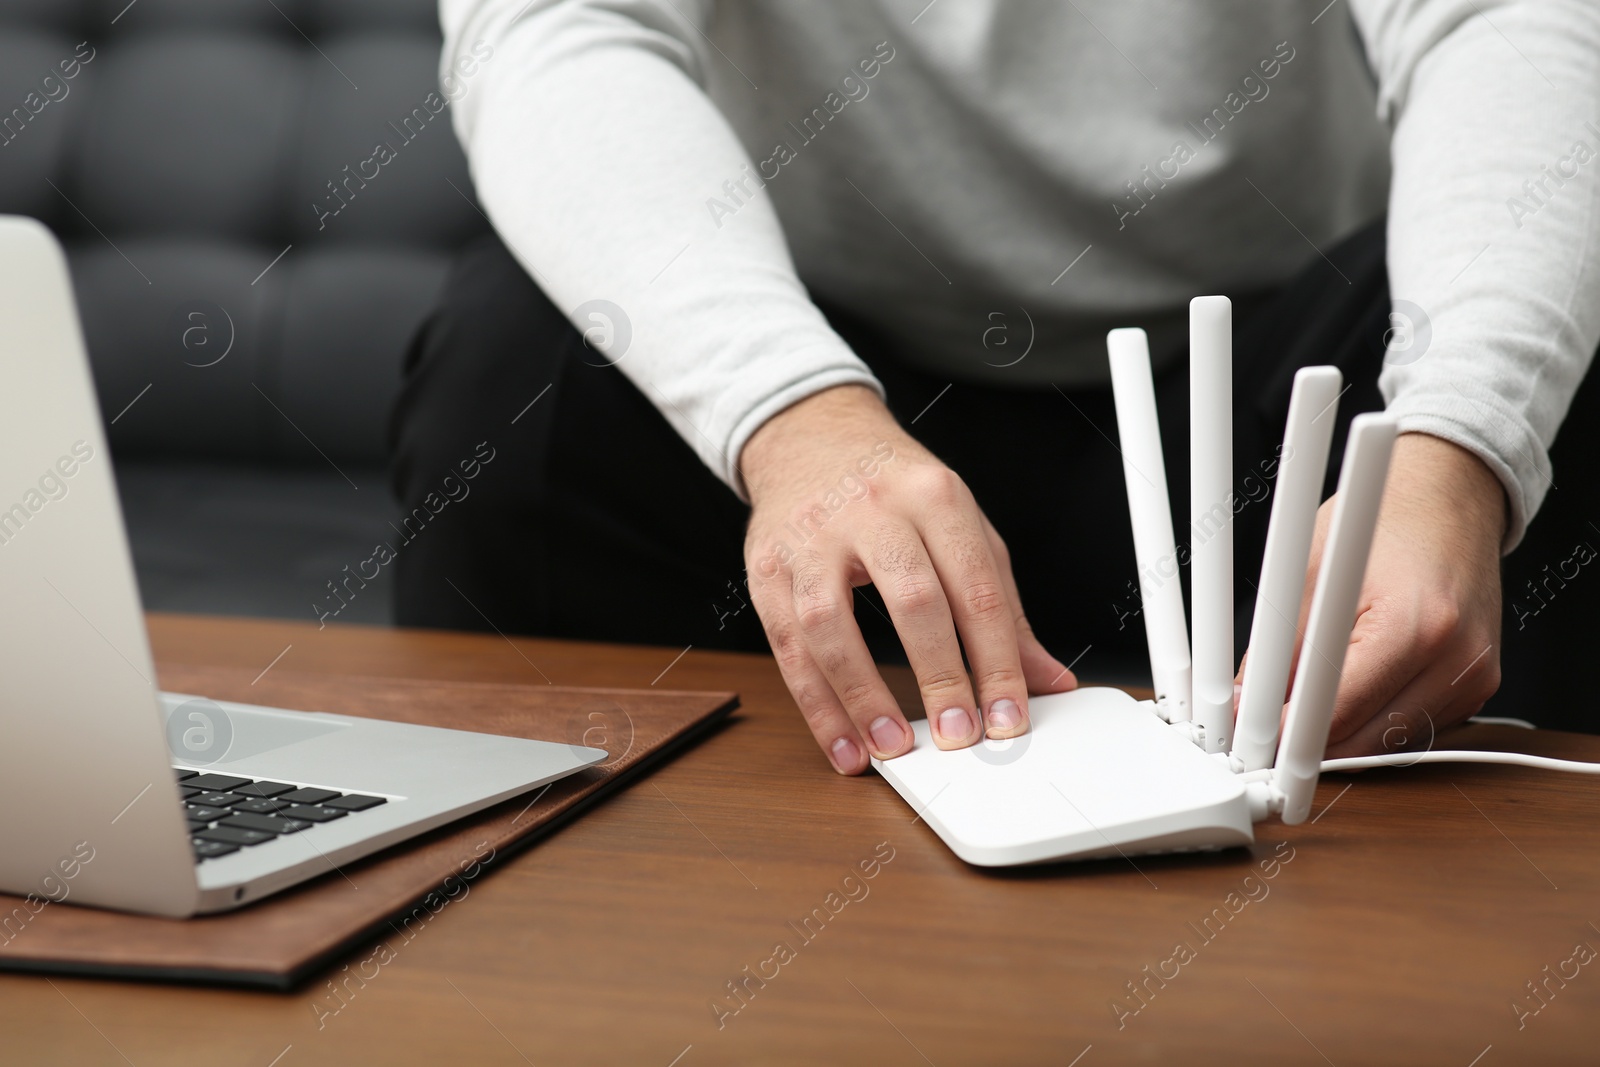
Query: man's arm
(1494, 248)
(1494, 222)
(594, 149)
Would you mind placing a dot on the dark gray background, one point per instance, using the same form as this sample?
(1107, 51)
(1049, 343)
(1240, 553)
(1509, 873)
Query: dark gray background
(185, 157)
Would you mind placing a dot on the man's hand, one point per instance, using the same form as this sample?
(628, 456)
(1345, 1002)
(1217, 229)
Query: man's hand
(841, 496)
(1425, 651)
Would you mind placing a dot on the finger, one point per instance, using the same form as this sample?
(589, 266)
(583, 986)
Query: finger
(1443, 694)
(823, 608)
(1406, 726)
(1479, 680)
(1042, 671)
(984, 616)
(1384, 655)
(915, 599)
(1471, 688)
(835, 734)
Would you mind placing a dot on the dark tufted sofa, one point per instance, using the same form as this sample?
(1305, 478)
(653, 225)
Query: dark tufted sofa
(248, 270)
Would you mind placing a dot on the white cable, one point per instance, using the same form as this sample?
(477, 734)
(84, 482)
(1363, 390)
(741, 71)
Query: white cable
(1497, 720)
(1407, 759)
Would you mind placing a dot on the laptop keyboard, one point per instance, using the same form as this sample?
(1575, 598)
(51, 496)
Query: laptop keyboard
(227, 813)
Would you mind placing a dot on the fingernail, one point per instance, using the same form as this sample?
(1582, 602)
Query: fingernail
(845, 755)
(886, 734)
(1004, 715)
(1238, 691)
(955, 724)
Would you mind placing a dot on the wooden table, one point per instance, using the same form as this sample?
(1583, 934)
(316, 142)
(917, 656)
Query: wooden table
(1403, 925)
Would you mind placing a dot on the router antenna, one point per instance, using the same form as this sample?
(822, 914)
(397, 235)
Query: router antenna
(1150, 509)
(1211, 511)
(1333, 613)
(1303, 461)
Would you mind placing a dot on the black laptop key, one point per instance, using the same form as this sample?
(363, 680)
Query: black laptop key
(313, 813)
(204, 812)
(263, 789)
(355, 802)
(216, 799)
(265, 823)
(233, 835)
(185, 792)
(205, 850)
(214, 781)
(196, 825)
(260, 807)
(308, 796)
(181, 774)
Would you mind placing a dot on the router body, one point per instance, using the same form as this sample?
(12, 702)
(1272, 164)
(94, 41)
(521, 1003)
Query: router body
(1099, 775)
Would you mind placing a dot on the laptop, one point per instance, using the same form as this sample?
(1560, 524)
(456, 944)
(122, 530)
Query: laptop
(125, 797)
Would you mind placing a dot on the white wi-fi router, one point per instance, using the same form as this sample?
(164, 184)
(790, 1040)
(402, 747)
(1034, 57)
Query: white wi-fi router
(1101, 774)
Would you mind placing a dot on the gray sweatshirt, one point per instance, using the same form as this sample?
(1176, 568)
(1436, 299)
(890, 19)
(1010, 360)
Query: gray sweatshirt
(995, 183)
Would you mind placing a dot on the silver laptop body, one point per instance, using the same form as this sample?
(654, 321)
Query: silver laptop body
(95, 813)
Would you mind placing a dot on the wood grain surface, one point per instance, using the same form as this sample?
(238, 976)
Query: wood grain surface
(1432, 915)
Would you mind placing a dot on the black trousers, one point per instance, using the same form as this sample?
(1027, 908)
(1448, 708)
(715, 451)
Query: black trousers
(591, 519)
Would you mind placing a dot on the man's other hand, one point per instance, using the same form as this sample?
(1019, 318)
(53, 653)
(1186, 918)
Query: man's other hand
(841, 497)
(1425, 651)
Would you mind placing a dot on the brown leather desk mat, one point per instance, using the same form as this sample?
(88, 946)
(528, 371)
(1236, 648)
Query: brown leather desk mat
(280, 941)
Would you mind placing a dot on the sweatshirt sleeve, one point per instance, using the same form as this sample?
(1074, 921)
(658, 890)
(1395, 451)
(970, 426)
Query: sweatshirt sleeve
(1494, 222)
(595, 149)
